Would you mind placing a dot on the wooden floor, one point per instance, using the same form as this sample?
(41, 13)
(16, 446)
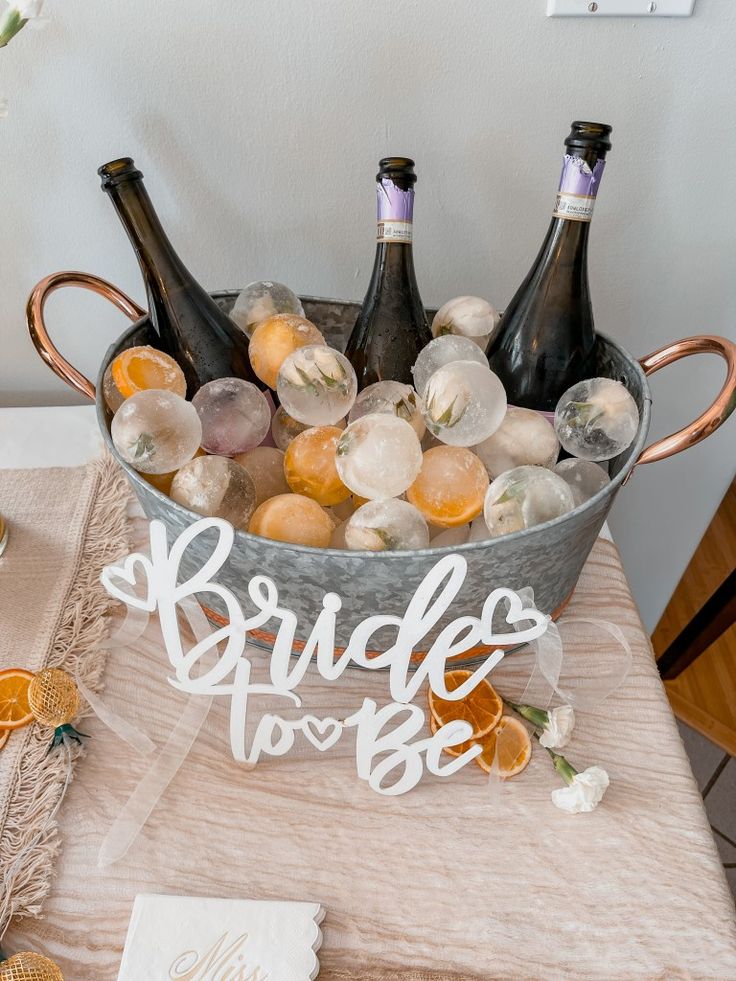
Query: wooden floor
(704, 695)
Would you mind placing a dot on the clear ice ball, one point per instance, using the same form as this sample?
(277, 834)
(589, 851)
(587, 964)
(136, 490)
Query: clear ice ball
(265, 464)
(216, 487)
(378, 456)
(450, 537)
(317, 385)
(391, 397)
(596, 419)
(156, 431)
(524, 438)
(467, 316)
(584, 477)
(235, 416)
(442, 351)
(390, 525)
(261, 300)
(464, 403)
(284, 428)
(524, 497)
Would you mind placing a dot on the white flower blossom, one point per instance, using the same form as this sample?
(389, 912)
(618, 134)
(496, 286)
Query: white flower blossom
(558, 728)
(320, 368)
(447, 399)
(584, 793)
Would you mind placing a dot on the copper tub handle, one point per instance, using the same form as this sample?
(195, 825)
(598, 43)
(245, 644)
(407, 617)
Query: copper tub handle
(713, 417)
(40, 336)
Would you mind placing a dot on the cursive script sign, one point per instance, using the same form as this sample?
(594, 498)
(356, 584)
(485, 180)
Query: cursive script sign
(388, 754)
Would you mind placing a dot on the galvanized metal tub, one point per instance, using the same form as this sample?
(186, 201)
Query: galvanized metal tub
(549, 557)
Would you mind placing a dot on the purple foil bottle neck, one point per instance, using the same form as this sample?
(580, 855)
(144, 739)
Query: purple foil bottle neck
(577, 177)
(393, 204)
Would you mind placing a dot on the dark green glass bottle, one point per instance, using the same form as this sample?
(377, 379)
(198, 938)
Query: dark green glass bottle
(546, 337)
(190, 325)
(392, 327)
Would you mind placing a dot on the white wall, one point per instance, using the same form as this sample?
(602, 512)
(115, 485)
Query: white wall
(258, 126)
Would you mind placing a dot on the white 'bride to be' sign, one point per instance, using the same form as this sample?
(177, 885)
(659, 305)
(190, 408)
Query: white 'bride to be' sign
(385, 755)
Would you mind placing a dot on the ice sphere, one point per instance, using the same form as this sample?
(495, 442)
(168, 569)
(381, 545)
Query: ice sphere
(138, 369)
(156, 431)
(449, 537)
(596, 419)
(467, 316)
(464, 403)
(293, 518)
(265, 464)
(390, 525)
(337, 539)
(284, 428)
(217, 487)
(235, 416)
(479, 530)
(442, 351)
(451, 486)
(275, 339)
(390, 397)
(317, 385)
(309, 466)
(524, 497)
(378, 456)
(524, 438)
(584, 477)
(261, 300)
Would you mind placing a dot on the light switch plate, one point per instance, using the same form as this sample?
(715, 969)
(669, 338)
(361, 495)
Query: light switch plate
(620, 8)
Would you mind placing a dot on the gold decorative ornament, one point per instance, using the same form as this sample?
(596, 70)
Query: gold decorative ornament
(53, 697)
(54, 700)
(27, 966)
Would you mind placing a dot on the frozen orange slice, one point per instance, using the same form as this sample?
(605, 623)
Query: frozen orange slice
(506, 750)
(14, 708)
(482, 708)
(141, 368)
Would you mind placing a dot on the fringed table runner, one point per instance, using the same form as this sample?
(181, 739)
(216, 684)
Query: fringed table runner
(65, 525)
(455, 881)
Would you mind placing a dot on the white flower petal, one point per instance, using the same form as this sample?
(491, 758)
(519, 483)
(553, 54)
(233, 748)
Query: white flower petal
(585, 792)
(559, 728)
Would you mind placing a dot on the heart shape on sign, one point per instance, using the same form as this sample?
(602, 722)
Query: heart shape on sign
(127, 573)
(314, 729)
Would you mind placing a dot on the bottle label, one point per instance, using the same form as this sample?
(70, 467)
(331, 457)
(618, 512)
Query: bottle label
(395, 212)
(578, 189)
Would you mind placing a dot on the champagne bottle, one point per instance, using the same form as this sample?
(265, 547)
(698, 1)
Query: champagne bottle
(190, 325)
(546, 336)
(391, 328)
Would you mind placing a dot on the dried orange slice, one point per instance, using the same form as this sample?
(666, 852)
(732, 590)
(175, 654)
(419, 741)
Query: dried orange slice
(506, 750)
(482, 708)
(14, 708)
(4, 737)
(451, 750)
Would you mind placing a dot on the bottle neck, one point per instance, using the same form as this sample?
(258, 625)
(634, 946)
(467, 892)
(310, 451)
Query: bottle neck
(157, 258)
(394, 213)
(579, 181)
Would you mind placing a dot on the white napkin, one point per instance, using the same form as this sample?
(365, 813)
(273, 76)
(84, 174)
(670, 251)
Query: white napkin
(185, 938)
